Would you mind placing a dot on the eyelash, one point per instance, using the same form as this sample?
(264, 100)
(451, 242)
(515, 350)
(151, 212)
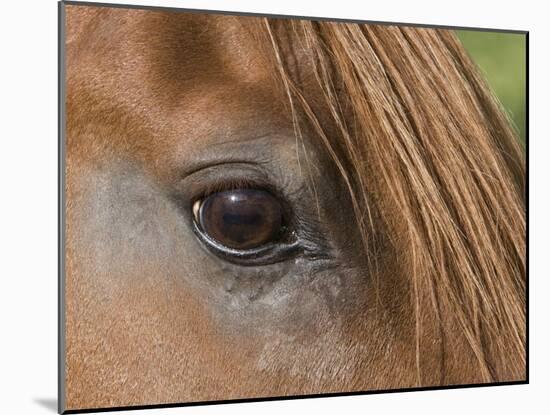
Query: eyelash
(235, 183)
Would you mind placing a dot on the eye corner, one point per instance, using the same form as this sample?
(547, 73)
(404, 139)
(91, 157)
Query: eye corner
(195, 209)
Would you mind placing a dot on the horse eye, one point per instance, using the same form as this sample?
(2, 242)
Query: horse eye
(240, 219)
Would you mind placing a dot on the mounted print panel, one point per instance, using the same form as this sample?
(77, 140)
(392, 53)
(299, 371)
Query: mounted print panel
(259, 206)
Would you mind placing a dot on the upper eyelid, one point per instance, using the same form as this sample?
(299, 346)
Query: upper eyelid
(253, 169)
(232, 183)
(215, 164)
(226, 176)
(244, 150)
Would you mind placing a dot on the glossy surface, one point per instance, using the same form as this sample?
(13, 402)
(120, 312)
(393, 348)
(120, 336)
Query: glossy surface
(242, 218)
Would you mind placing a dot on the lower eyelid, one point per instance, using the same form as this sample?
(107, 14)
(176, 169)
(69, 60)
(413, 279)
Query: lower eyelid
(269, 254)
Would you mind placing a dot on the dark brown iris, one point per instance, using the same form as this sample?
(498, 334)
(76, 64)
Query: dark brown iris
(242, 218)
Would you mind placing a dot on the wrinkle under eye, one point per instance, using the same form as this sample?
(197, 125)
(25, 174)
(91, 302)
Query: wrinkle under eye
(241, 218)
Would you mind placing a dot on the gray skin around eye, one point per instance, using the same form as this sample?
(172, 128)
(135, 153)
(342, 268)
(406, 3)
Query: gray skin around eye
(132, 227)
(285, 294)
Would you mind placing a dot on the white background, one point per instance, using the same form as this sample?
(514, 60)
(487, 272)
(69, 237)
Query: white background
(28, 204)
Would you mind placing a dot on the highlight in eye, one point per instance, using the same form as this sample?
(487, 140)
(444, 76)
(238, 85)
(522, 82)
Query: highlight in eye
(240, 219)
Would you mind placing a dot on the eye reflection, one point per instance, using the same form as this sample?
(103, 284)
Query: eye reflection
(240, 219)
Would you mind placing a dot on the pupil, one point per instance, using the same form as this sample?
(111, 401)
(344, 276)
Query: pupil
(241, 218)
(236, 219)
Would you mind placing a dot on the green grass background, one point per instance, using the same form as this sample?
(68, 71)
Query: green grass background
(502, 59)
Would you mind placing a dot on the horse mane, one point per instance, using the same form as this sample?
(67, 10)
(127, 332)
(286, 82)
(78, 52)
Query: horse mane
(421, 142)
